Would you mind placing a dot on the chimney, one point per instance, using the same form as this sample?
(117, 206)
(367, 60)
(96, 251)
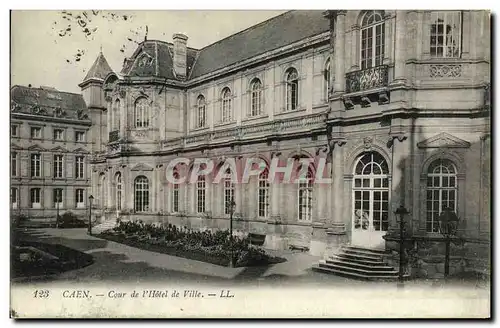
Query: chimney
(180, 54)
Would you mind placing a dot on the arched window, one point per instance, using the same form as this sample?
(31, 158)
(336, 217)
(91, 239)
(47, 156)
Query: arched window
(304, 196)
(14, 195)
(372, 39)
(175, 194)
(200, 112)
(228, 191)
(441, 191)
(371, 193)
(327, 77)
(263, 196)
(141, 191)
(141, 113)
(200, 194)
(292, 89)
(118, 194)
(256, 98)
(116, 115)
(226, 112)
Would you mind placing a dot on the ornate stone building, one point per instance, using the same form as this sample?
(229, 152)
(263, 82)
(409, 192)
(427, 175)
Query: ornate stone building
(49, 158)
(396, 101)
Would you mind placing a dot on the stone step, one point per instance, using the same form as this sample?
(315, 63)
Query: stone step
(364, 252)
(366, 272)
(353, 260)
(360, 257)
(352, 274)
(374, 267)
(364, 249)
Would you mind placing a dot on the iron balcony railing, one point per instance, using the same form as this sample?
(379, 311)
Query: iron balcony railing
(114, 136)
(366, 79)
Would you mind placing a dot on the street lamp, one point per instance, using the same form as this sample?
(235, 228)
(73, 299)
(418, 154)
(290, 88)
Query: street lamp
(448, 224)
(232, 206)
(401, 211)
(91, 198)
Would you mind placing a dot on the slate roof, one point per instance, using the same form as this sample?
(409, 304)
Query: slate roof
(46, 101)
(99, 69)
(271, 34)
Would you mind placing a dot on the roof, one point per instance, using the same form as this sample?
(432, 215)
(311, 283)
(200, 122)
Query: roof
(271, 34)
(99, 69)
(47, 102)
(154, 58)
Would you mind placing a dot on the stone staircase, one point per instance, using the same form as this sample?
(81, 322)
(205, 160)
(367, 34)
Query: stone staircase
(358, 263)
(108, 224)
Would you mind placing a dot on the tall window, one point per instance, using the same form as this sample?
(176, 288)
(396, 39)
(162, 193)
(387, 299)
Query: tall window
(256, 98)
(35, 197)
(304, 197)
(36, 132)
(263, 200)
(446, 34)
(80, 136)
(200, 194)
(226, 105)
(14, 130)
(58, 166)
(441, 191)
(57, 197)
(327, 76)
(116, 115)
(141, 113)
(79, 167)
(292, 89)
(175, 194)
(228, 192)
(14, 197)
(201, 113)
(58, 134)
(118, 195)
(371, 193)
(141, 188)
(372, 39)
(13, 164)
(79, 199)
(36, 165)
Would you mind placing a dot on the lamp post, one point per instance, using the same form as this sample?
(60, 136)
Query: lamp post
(448, 223)
(401, 211)
(232, 206)
(91, 198)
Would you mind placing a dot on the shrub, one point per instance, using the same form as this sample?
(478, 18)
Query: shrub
(70, 220)
(209, 244)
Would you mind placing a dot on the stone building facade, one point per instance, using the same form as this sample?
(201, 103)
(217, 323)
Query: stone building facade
(49, 153)
(397, 102)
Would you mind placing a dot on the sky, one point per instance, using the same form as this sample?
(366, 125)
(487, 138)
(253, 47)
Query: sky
(40, 56)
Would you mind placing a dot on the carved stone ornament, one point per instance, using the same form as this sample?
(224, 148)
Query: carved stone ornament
(445, 70)
(108, 98)
(81, 115)
(15, 107)
(368, 142)
(122, 93)
(348, 104)
(59, 112)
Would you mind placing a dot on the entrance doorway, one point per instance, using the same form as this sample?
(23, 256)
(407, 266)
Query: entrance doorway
(370, 215)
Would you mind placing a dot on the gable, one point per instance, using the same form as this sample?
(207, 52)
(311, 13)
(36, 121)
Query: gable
(59, 149)
(80, 150)
(36, 148)
(444, 140)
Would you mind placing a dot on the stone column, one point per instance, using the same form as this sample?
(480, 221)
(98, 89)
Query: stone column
(274, 239)
(319, 224)
(400, 47)
(238, 197)
(339, 58)
(336, 232)
(398, 187)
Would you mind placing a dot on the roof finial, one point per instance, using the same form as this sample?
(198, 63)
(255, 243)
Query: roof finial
(101, 48)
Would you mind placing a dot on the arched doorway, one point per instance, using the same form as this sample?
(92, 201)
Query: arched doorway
(370, 214)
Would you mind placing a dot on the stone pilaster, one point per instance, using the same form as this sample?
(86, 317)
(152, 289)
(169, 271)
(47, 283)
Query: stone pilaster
(274, 239)
(238, 194)
(400, 154)
(336, 232)
(339, 60)
(400, 48)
